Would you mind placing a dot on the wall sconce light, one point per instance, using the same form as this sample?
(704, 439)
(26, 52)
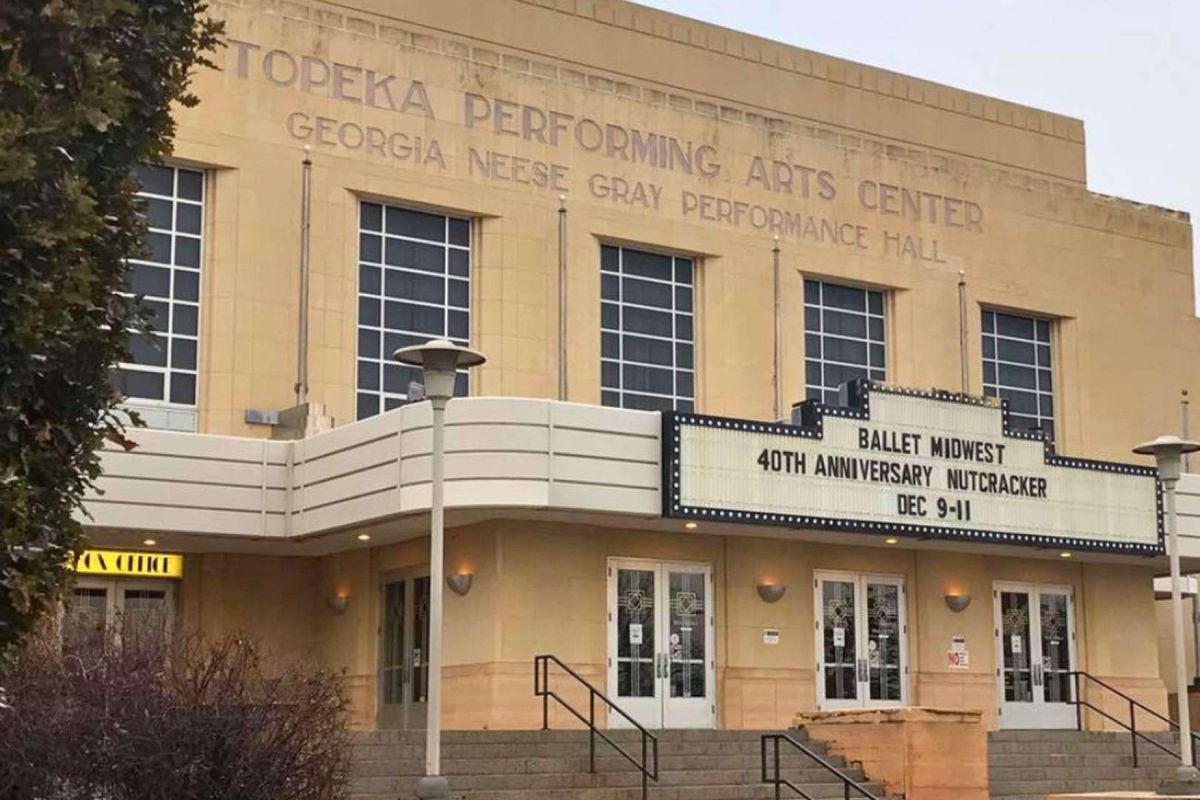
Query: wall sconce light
(338, 602)
(460, 584)
(771, 592)
(957, 602)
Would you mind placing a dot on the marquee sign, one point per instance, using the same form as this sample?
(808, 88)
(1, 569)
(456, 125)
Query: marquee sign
(903, 462)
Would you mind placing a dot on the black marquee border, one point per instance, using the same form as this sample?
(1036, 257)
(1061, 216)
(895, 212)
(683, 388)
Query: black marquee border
(812, 415)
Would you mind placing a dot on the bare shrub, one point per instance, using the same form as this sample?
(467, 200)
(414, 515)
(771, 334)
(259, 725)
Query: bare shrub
(138, 714)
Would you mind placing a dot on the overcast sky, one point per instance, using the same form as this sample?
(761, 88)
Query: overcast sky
(1130, 69)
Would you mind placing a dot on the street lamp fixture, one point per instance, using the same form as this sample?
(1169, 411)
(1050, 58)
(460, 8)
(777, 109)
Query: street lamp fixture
(440, 360)
(1168, 452)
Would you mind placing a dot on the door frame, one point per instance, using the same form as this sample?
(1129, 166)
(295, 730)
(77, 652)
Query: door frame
(662, 621)
(408, 575)
(860, 579)
(115, 586)
(1036, 714)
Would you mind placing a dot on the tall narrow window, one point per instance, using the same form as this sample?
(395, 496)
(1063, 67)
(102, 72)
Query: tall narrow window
(414, 277)
(647, 342)
(1017, 368)
(163, 366)
(843, 338)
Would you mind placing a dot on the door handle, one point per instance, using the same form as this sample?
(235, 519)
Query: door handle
(658, 665)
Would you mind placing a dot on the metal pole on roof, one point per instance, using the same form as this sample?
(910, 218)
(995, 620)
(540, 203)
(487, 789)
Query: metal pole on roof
(305, 226)
(962, 331)
(562, 297)
(777, 361)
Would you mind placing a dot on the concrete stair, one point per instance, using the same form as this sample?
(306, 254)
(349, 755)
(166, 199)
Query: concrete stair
(553, 765)
(1029, 765)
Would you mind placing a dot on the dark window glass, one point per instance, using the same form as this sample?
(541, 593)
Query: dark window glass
(1017, 368)
(367, 405)
(460, 232)
(646, 344)
(371, 217)
(148, 280)
(173, 201)
(153, 179)
(187, 285)
(844, 337)
(183, 353)
(370, 248)
(183, 388)
(187, 218)
(414, 255)
(370, 279)
(414, 286)
(158, 213)
(149, 350)
(158, 247)
(417, 250)
(459, 294)
(187, 252)
(191, 184)
(368, 343)
(138, 384)
(185, 319)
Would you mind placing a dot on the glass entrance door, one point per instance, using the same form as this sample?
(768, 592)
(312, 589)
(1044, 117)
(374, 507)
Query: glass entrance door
(660, 643)
(97, 606)
(861, 640)
(403, 649)
(1035, 638)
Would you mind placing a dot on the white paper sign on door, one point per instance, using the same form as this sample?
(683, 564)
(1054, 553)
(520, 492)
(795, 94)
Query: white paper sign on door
(635, 633)
(839, 637)
(1016, 642)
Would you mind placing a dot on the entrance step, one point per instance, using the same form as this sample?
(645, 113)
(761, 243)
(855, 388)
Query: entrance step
(1031, 765)
(553, 765)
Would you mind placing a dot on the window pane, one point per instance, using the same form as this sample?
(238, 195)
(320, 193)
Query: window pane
(149, 350)
(148, 280)
(371, 217)
(183, 388)
(172, 278)
(845, 297)
(191, 184)
(187, 285)
(1016, 367)
(844, 337)
(426, 290)
(187, 218)
(415, 224)
(154, 179)
(158, 213)
(649, 343)
(143, 385)
(460, 232)
(183, 353)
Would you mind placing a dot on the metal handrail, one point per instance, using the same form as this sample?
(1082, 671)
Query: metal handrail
(1134, 705)
(541, 688)
(778, 781)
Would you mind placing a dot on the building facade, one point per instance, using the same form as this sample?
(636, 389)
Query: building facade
(663, 235)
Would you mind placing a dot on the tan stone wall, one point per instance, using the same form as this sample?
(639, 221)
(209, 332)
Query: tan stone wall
(1043, 245)
(541, 588)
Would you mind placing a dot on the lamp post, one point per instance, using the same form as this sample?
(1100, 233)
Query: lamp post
(440, 360)
(1168, 453)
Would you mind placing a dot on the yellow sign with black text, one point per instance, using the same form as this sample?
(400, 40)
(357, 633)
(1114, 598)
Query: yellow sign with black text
(129, 564)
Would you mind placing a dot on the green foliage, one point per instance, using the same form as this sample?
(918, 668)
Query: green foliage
(86, 88)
